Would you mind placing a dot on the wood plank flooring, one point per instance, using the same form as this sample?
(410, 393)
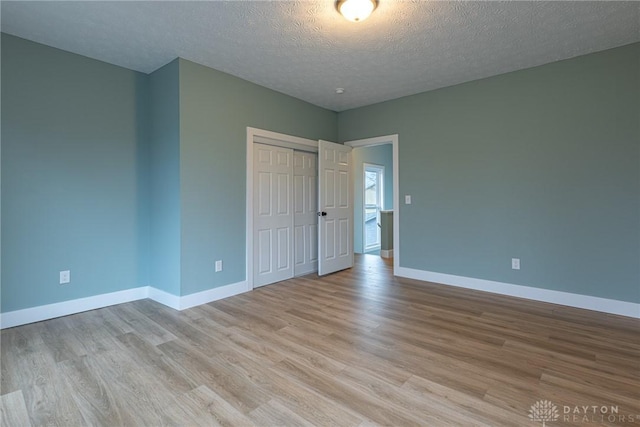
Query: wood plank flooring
(356, 348)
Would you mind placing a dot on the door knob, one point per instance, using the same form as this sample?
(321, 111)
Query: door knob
(322, 214)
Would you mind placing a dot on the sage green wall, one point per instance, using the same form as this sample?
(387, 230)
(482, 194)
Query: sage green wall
(165, 178)
(378, 155)
(215, 109)
(126, 179)
(74, 176)
(99, 161)
(541, 164)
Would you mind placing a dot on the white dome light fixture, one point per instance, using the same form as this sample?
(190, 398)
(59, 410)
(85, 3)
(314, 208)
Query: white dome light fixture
(356, 10)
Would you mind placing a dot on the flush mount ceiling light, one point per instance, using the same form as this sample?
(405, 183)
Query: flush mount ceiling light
(356, 10)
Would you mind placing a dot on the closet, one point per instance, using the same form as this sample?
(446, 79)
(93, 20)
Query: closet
(285, 221)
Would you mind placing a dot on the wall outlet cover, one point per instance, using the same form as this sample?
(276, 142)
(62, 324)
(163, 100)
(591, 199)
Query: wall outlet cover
(65, 277)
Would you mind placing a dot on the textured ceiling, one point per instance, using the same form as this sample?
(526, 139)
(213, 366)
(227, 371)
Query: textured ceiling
(306, 50)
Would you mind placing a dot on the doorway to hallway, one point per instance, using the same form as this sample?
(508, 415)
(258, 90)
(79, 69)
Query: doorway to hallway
(377, 151)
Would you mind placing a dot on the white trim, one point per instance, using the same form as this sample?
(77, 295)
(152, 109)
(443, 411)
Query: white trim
(386, 253)
(66, 308)
(50, 311)
(395, 143)
(214, 294)
(604, 305)
(285, 144)
(276, 138)
(371, 142)
(164, 297)
(255, 135)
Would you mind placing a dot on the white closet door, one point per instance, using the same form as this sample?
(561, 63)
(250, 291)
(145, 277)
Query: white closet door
(305, 223)
(272, 214)
(336, 208)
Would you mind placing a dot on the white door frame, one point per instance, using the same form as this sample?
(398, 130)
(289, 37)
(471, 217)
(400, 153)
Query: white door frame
(271, 138)
(395, 143)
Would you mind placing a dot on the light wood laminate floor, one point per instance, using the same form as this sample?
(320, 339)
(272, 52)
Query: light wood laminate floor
(359, 347)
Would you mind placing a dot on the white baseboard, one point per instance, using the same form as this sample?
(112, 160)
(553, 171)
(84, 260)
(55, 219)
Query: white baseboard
(65, 308)
(604, 305)
(164, 298)
(386, 253)
(50, 311)
(214, 294)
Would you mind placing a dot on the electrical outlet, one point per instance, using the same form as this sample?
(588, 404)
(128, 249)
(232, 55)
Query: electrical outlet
(218, 265)
(407, 199)
(515, 263)
(65, 277)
